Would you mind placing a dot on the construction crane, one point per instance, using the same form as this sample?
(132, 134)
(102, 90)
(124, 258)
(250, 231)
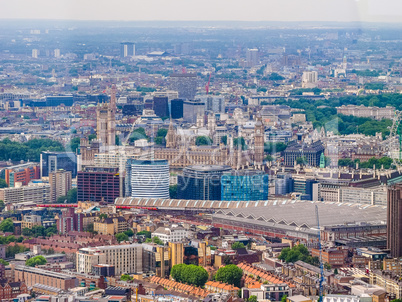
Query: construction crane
(207, 86)
(321, 277)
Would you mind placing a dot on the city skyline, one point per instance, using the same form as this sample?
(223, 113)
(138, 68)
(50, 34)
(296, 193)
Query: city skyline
(389, 11)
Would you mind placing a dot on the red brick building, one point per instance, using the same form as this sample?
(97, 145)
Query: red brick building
(335, 256)
(10, 290)
(23, 173)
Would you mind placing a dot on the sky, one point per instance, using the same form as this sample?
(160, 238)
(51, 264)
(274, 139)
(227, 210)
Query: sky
(205, 10)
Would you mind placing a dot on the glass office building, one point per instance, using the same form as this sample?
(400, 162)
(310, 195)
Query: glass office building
(244, 185)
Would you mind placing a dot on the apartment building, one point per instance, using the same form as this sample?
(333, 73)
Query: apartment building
(172, 234)
(388, 280)
(30, 221)
(36, 193)
(60, 182)
(125, 258)
(111, 226)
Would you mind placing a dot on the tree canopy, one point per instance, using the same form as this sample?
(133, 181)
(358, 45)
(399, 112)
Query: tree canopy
(121, 237)
(37, 260)
(190, 274)
(126, 277)
(3, 183)
(147, 234)
(7, 225)
(298, 252)
(230, 274)
(238, 245)
(203, 141)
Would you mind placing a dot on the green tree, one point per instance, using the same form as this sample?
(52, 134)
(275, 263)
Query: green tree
(27, 232)
(72, 195)
(126, 277)
(3, 183)
(203, 141)
(301, 160)
(190, 274)
(129, 233)
(173, 191)
(336, 272)
(238, 245)
(147, 234)
(252, 299)
(37, 260)
(121, 237)
(102, 216)
(230, 274)
(137, 134)
(224, 140)
(4, 262)
(2, 205)
(157, 240)
(162, 132)
(239, 141)
(7, 225)
(284, 298)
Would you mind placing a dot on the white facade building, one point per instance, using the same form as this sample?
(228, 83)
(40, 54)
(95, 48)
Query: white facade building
(172, 234)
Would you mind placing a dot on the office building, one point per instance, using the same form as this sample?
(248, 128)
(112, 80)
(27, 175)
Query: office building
(394, 220)
(23, 173)
(156, 259)
(192, 109)
(127, 49)
(52, 161)
(310, 152)
(60, 182)
(176, 108)
(35, 53)
(103, 270)
(35, 193)
(252, 57)
(33, 275)
(309, 77)
(245, 185)
(283, 183)
(161, 106)
(57, 100)
(185, 84)
(201, 182)
(176, 252)
(175, 233)
(214, 103)
(98, 184)
(147, 178)
(29, 221)
(309, 189)
(127, 259)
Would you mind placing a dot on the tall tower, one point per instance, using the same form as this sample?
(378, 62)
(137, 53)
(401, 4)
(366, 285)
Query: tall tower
(106, 121)
(171, 137)
(259, 141)
(394, 221)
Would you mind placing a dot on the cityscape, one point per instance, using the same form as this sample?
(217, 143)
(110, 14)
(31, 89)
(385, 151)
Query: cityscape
(197, 158)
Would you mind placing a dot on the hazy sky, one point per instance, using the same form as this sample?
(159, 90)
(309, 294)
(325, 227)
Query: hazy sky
(241, 10)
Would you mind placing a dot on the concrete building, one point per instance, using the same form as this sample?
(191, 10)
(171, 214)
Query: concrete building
(252, 57)
(127, 49)
(172, 234)
(29, 221)
(125, 258)
(192, 109)
(35, 193)
(60, 182)
(311, 153)
(176, 252)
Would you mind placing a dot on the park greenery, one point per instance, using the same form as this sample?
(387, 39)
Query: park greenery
(27, 151)
(34, 261)
(4, 262)
(190, 274)
(298, 252)
(129, 233)
(230, 274)
(3, 183)
(12, 250)
(377, 162)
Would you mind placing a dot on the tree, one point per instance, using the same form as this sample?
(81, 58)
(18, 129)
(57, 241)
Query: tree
(252, 298)
(239, 142)
(27, 232)
(203, 140)
(102, 216)
(301, 160)
(7, 225)
(126, 277)
(147, 234)
(327, 266)
(37, 260)
(72, 195)
(4, 262)
(157, 240)
(284, 298)
(3, 183)
(173, 191)
(162, 132)
(121, 237)
(336, 271)
(129, 233)
(190, 274)
(238, 245)
(298, 252)
(2, 205)
(224, 140)
(230, 274)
